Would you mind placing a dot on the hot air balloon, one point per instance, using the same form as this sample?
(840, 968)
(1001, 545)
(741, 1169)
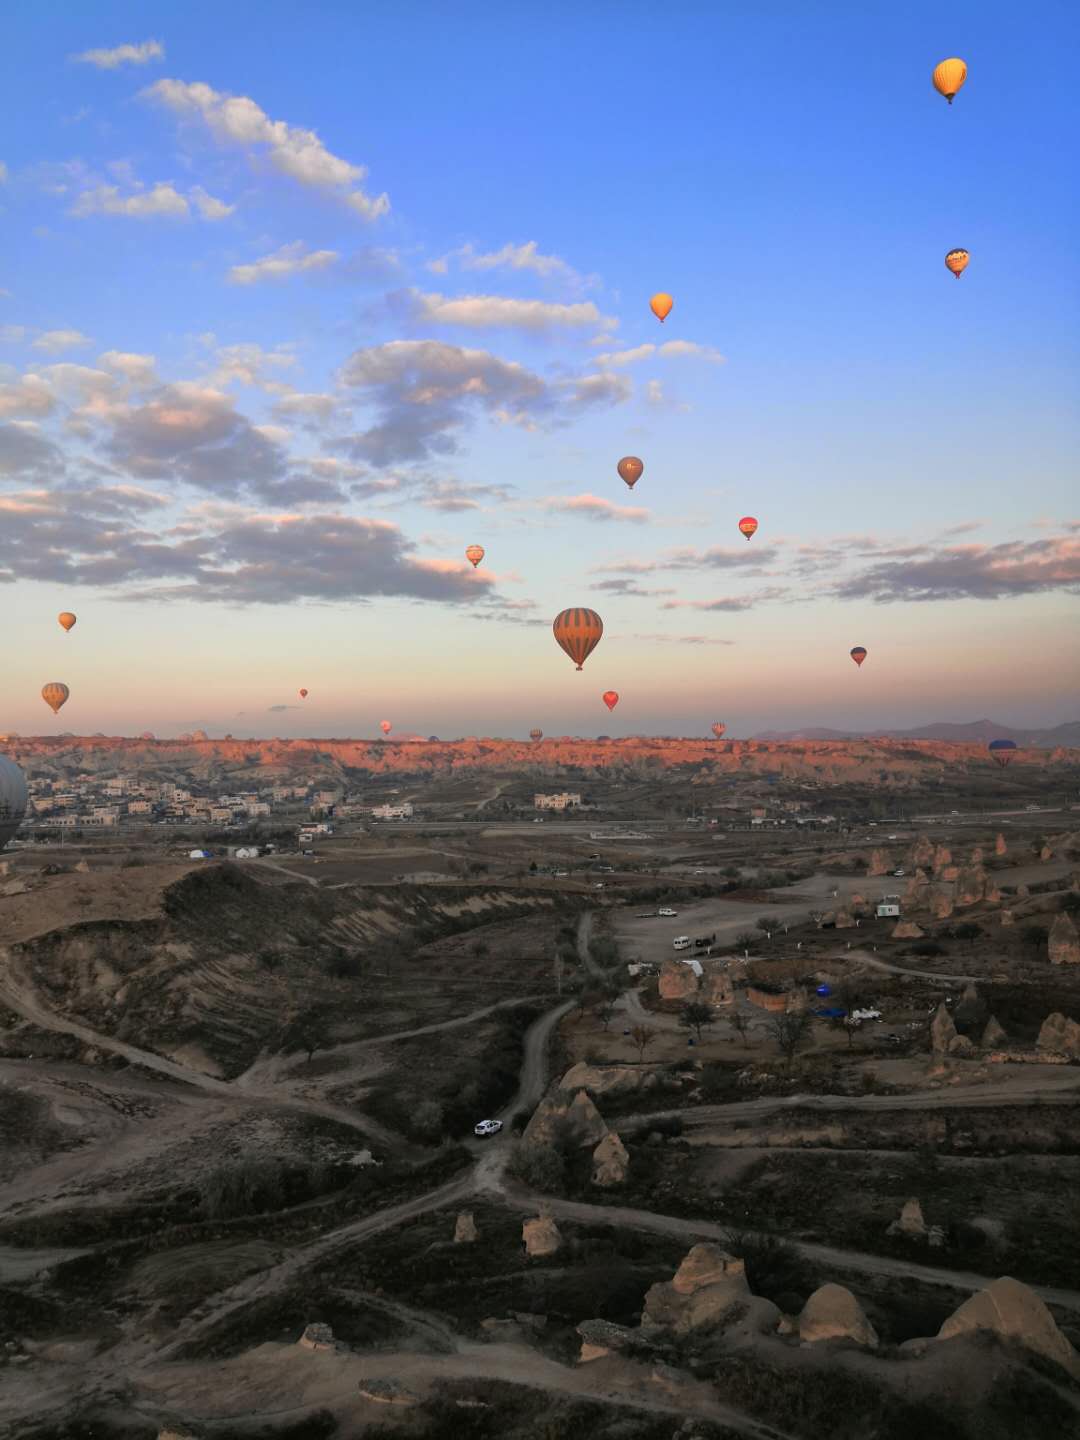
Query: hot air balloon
(536, 734)
(630, 468)
(859, 654)
(957, 261)
(303, 694)
(66, 618)
(12, 799)
(385, 726)
(948, 78)
(54, 694)
(474, 553)
(748, 526)
(147, 735)
(718, 728)
(1002, 751)
(660, 305)
(610, 698)
(578, 632)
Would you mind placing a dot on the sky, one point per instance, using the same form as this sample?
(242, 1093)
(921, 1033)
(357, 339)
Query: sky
(297, 302)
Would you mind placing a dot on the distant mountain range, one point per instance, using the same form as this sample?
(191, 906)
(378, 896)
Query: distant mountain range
(1067, 734)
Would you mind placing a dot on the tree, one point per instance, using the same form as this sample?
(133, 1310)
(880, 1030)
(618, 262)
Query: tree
(306, 1030)
(745, 940)
(605, 1009)
(696, 1016)
(478, 948)
(642, 1036)
(740, 1023)
(790, 1030)
(768, 925)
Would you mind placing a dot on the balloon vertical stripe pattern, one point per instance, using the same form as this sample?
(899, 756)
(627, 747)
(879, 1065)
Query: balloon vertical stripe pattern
(578, 633)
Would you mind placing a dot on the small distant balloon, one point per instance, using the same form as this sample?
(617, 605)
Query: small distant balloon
(610, 698)
(660, 305)
(55, 695)
(718, 728)
(859, 654)
(303, 694)
(748, 526)
(948, 77)
(474, 554)
(385, 726)
(66, 619)
(147, 735)
(957, 261)
(1002, 751)
(536, 734)
(578, 633)
(630, 469)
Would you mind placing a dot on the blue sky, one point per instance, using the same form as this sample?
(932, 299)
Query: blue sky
(252, 411)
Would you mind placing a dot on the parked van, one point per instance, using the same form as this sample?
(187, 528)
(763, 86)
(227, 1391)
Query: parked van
(681, 942)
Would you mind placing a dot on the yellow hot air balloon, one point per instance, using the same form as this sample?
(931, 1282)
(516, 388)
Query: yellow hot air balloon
(474, 554)
(578, 632)
(660, 305)
(66, 618)
(948, 77)
(55, 694)
(957, 261)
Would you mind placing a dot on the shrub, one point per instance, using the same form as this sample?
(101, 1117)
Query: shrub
(540, 1166)
(773, 1267)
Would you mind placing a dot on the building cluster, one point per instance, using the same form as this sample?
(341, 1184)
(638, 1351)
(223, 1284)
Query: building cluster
(564, 801)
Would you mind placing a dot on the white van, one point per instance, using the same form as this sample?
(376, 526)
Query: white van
(681, 942)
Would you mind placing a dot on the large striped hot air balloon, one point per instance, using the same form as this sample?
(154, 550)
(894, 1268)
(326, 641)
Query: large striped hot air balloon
(1002, 751)
(474, 554)
(610, 698)
(718, 728)
(55, 695)
(948, 77)
(536, 734)
(859, 654)
(957, 261)
(578, 632)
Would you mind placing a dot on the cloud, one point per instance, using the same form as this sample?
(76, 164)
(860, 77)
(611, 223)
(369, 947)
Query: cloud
(725, 603)
(525, 257)
(716, 557)
(3, 173)
(482, 312)
(450, 497)
(602, 389)
(306, 409)
(595, 507)
(292, 150)
(12, 334)
(161, 201)
(977, 572)
(628, 587)
(250, 364)
(140, 54)
(28, 396)
(54, 342)
(27, 455)
(138, 369)
(272, 709)
(294, 259)
(669, 350)
(666, 639)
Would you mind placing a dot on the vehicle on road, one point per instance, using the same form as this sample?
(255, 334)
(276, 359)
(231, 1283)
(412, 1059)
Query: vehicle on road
(701, 941)
(898, 874)
(667, 914)
(487, 1127)
(681, 942)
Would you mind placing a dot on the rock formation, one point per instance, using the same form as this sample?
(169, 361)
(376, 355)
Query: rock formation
(1046, 854)
(709, 1290)
(1000, 846)
(969, 1009)
(465, 1232)
(1060, 1036)
(1008, 918)
(921, 854)
(971, 883)
(678, 981)
(833, 1313)
(917, 891)
(907, 930)
(561, 1114)
(541, 1237)
(1014, 1313)
(942, 1030)
(608, 1079)
(317, 1337)
(845, 920)
(611, 1161)
(880, 863)
(1063, 944)
(942, 859)
(600, 1338)
(940, 901)
(912, 1226)
(716, 986)
(994, 1035)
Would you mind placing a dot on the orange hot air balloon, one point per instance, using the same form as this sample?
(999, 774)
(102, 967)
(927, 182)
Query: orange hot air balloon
(610, 698)
(718, 728)
(55, 694)
(536, 734)
(859, 654)
(748, 526)
(630, 468)
(66, 618)
(660, 305)
(948, 77)
(957, 261)
(303, 694)
(578, 632)
(385, 726)
(475, 553)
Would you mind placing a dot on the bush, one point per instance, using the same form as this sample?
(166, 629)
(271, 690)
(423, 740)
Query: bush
(926, 949)
(540, 1166)
(773, 1267)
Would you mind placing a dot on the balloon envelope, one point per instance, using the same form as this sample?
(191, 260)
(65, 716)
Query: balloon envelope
(718, 728)
(536, 734)
(578, 633)
(475, 553)
(957, 261)
(55, 694)
(630, 468)
(948, 77)
(1002, 751)
(303, 694)
(385, 726)
(610, 698)
(859, 654)
(660, 305)
(748, 525)
(66, 618)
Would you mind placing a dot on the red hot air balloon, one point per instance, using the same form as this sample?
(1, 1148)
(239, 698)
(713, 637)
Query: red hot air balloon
(474, 554)
(385, 726)
(610, 698)
(718, 728)
(859, 654)
(578, 632)
(630, 469)
(748, 526)
(303, 694)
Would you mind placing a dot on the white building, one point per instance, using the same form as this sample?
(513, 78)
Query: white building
(889, 907)
(565, 801)
(392, 812)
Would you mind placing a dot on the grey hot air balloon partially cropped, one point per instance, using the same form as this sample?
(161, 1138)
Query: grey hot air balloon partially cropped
(12, 799)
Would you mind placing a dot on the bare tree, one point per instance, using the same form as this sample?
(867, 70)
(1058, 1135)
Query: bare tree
(790, 1030)
(696, 1016)
(642, 1036)
(740, 1024)
(605, 1009)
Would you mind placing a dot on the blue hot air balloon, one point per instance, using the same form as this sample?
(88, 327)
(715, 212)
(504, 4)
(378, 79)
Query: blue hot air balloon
(1002, 751)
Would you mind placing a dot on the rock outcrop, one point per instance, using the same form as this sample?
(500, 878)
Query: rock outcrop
(1000, 845)
(465, 1232)
(993, 1035)
(716, 986)
(912, 1226)
(1014, 1313)
(880, 863)
(678, 981)
(942, 859)
(600, 1338)
(1063, 943)
(907, 930)
(921, 854)
(940, 901)
(971, 885)
(833, 1313)
(611, 1161)
(844, 919)
(608, 1079)
(317, 1337)
(541, 1237)
(917, 891)
(942, 1030)
(709, 1290)
(561, 1115)
(1060, 1036)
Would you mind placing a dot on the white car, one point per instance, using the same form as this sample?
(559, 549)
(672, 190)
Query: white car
(668, 914)
(487, 1127)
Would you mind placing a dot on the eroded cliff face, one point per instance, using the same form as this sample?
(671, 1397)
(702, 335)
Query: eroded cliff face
(897, 763)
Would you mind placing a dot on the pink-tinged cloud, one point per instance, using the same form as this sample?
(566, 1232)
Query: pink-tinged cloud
(979, 572)
(595, 507)
(729, 602)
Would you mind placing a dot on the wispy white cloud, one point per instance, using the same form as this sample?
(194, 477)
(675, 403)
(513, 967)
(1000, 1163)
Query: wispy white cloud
(526, 257)
(294, 259)
(139, 369)
(160, 201)
(296, 152)
(140, 54)
(53, 342)
(670, 350)
(596, 507)
(486, 312)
